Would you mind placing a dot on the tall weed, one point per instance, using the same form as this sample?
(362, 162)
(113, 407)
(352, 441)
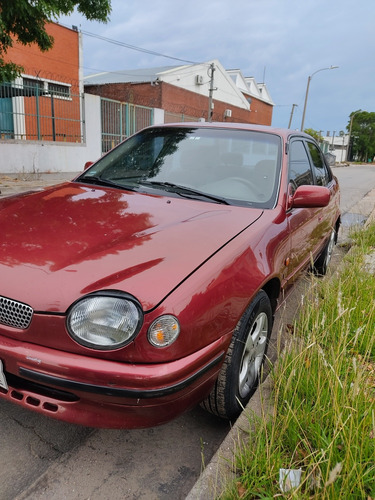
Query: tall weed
(324, 388)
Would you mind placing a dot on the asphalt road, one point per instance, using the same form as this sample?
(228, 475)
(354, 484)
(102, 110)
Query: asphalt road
(45, 459)
(355, 183)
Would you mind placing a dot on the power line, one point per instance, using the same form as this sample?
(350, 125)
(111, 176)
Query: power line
(132, 47)
(132, 73)
(67, 63)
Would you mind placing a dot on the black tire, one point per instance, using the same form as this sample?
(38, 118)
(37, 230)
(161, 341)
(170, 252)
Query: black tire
(322, 262)
(239, 375)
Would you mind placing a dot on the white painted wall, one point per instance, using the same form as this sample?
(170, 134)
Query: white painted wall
(337, 146)
(17, 156)
(158, 116)
(225, 88)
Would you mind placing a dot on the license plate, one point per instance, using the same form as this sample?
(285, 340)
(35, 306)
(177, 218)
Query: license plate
(3, 380)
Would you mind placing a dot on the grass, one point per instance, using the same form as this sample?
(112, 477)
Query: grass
(323, 420)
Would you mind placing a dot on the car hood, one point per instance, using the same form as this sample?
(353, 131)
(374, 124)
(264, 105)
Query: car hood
(64, 242)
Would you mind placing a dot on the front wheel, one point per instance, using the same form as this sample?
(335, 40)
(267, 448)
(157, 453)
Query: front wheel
(239, 375)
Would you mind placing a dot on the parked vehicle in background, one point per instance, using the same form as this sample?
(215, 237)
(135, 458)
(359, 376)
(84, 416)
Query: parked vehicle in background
(149, 283)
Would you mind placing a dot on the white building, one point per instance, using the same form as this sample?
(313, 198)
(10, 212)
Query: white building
(337, 145)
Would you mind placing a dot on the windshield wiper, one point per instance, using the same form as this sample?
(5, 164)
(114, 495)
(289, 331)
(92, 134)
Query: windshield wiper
(94, 179)
(185, 191)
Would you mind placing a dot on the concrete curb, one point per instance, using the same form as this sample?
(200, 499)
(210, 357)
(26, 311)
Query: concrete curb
(220, 472)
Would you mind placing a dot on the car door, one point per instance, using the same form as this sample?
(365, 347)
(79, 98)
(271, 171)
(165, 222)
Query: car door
(306, 225)
(323, 177)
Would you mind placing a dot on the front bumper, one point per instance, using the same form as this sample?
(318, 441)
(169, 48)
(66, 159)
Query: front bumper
(109, 394)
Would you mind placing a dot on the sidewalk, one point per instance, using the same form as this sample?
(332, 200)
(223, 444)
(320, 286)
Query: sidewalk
(19, 183)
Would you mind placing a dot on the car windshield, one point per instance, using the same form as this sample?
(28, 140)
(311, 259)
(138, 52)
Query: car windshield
(232, 166)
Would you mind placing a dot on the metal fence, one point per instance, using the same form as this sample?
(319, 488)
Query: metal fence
(39, 110)
(120, 120)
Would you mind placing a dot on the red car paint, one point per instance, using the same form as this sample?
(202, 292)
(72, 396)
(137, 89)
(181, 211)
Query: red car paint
(200, 261)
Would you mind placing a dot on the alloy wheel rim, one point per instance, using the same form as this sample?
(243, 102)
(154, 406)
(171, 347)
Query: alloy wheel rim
(330, 247)
(253, 353)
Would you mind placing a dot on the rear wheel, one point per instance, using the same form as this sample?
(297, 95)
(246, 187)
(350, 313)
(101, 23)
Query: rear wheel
(322, 262)
(239, 375)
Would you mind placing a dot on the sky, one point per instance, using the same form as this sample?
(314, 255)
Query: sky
(278, 42)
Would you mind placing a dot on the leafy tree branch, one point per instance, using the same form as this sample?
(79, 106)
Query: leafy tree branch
(24, 21)
(362, 143)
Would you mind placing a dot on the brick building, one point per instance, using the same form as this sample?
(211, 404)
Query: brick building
(47, 122)
(44, 102)
(42, 113)
(182, 92)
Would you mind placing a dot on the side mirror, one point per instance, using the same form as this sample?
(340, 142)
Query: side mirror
(310, 196)
(88, 165)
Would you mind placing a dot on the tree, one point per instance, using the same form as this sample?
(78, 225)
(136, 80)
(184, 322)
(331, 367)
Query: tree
(24, 21)
(361, 127)
(314, 133)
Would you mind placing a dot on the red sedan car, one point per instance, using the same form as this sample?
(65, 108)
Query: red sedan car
(149, 283)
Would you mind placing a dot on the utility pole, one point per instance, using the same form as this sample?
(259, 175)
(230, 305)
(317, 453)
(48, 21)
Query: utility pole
(333, 141)
(291, 115)
(211, 91)
(350, 133)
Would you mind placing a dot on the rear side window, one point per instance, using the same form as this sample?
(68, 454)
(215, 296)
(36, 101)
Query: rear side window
(321, 173)
(299, 165)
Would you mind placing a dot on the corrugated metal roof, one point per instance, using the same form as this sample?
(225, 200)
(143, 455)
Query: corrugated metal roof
(127, 76)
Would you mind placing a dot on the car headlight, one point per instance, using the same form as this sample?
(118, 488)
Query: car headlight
(104, 322)
(163, 331)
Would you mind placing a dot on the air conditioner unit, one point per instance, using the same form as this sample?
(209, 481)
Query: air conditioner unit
(199, 79)
(228, 113)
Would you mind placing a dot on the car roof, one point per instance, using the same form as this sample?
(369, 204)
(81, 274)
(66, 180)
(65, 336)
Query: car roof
(283, 132)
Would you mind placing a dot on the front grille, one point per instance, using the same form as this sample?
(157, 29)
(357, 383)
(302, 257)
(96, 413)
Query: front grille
(15, 314)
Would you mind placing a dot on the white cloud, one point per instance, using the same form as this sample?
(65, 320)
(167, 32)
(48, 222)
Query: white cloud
(285, 40)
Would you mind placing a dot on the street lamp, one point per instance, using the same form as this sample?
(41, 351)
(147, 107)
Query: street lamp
(307, 92)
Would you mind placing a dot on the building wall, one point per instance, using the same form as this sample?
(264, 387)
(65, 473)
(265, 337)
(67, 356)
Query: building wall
(47, 106)
(177, 100)
(197, 79)
(337, 146)
(19, 156)
(261, 112)
(61, 63)
(141, 94)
